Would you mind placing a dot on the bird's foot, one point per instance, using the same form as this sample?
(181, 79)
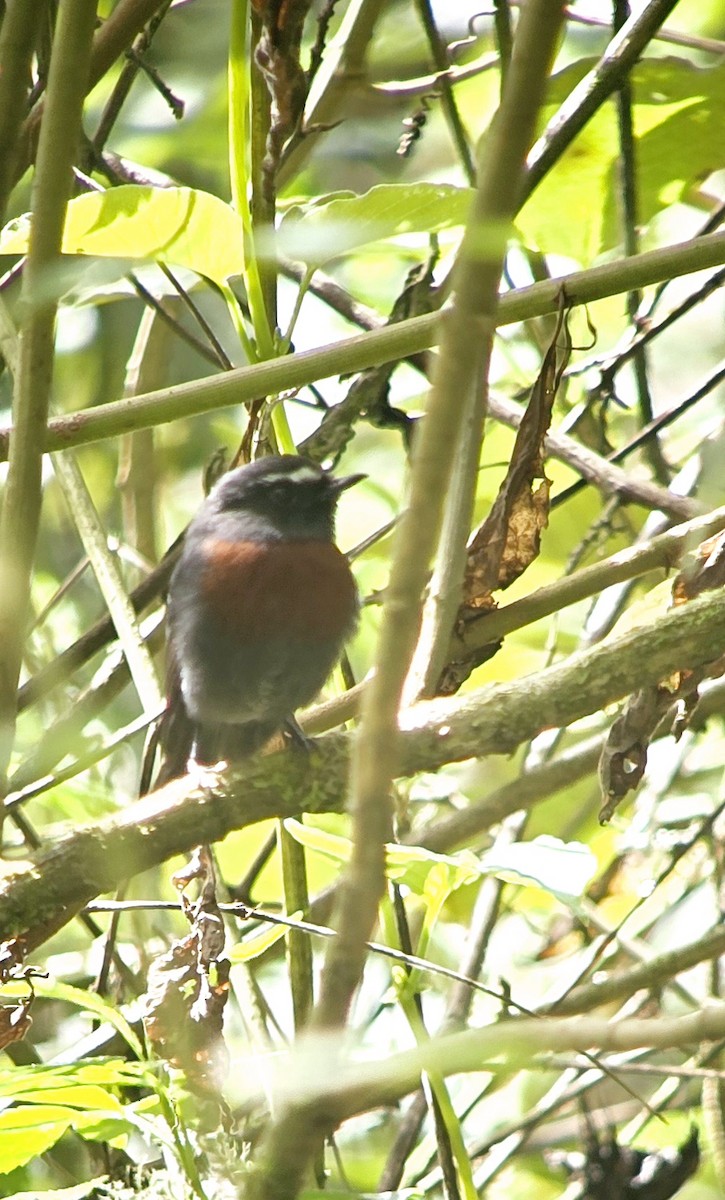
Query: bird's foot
(205, 775)
(294, 734)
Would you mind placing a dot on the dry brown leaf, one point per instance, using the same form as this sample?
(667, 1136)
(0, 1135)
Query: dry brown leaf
(188, 987)
(15, 1018)
(703, 570)
(624, 757)
(509, 539)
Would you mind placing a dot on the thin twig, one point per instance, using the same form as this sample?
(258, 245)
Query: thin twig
(441, 61)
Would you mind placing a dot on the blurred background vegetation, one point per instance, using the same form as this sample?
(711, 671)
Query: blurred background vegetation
(575, 219)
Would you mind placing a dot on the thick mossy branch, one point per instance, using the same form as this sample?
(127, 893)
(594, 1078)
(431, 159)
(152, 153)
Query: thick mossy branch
(39, 896)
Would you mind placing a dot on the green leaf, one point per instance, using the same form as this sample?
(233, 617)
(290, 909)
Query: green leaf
(562, 868)
(27, 1131)
(92, 1003)
(337, 225)
(428, 874)
(75, 1096)
(184, 227)
(330, 844)
(407, 865)
(78, 1192)
(255, 946)
(676, 107)
(39, 1080)
(100, 1126)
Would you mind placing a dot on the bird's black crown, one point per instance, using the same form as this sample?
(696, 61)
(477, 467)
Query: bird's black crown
(294, 493)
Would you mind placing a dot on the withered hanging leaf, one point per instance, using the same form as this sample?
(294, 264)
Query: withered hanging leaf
(500, 552)
(15, 1018)
(624, 757)
(702, 571)
(526, 519)
(188, 988)
(369, 395)
(183, 1013)
(509, 539)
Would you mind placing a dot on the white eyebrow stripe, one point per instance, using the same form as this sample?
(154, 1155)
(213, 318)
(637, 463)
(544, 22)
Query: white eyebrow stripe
(299, 475)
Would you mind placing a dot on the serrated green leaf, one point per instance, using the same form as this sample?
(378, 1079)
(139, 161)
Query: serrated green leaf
(28, 1116)
(20, 1081)
(27, 1130)
(337, 225)
(74, 1095)
(183, 227)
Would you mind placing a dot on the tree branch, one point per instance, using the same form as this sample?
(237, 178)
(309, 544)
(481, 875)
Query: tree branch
(331, 1096)
(372, 348)
(40, 896)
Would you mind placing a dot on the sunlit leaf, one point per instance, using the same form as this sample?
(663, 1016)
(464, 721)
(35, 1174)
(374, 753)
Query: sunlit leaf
(28, 1131)
(335, 226)
(183, 227)
(676, 107)
(412, 866)
(256, 946)
(37, 1079)
(406, 865)
(562, 868)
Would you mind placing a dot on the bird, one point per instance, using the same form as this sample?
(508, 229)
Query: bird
(259, 606)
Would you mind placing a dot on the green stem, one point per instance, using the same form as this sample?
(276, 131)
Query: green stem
(465, 338)
(372, 348)
(17, 41)
(296, 899)
(52, 184)
(240, 133)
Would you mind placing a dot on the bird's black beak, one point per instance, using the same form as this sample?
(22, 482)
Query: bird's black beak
(347, 481)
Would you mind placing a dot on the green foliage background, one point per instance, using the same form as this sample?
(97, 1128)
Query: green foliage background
(367, 215)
